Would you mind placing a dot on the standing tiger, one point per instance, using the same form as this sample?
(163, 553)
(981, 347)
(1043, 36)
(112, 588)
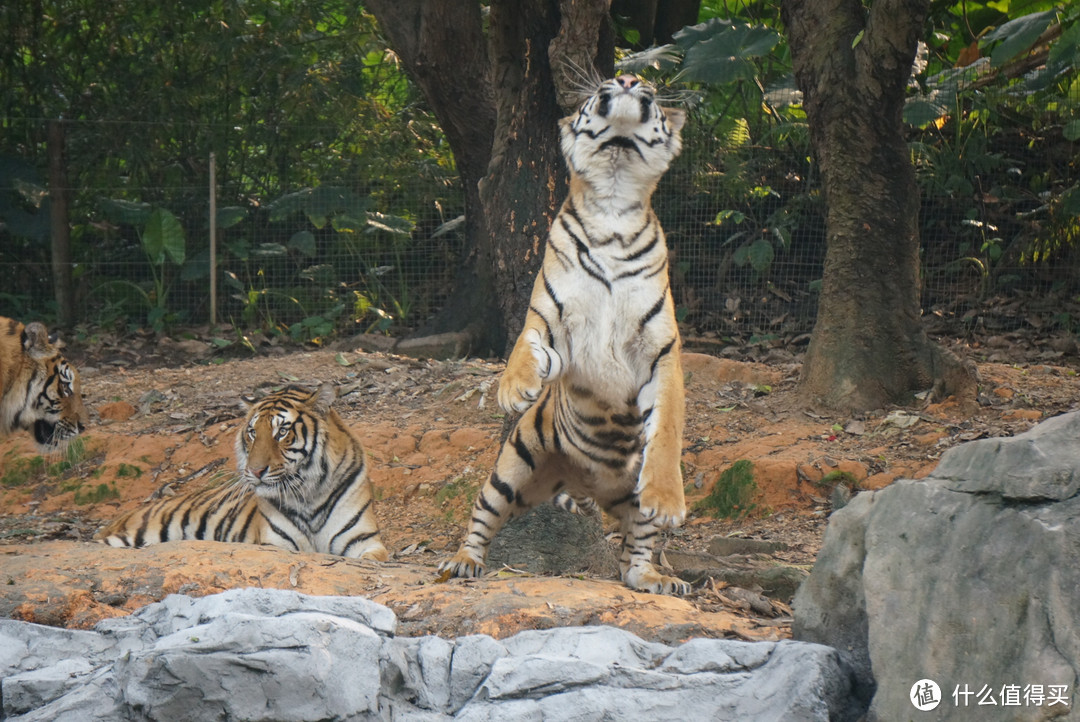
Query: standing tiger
(596, 370)
(39, 390)
(303, 485)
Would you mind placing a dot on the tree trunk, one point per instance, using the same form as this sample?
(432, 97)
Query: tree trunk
(868, 348)
(59, 227)
(499, 104)
(443, 49)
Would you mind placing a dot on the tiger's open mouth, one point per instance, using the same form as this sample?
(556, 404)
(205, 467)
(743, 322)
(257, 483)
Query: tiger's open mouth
(45, 432)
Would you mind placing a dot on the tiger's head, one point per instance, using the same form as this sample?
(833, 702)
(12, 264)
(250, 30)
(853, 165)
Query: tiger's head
(39, 390)
(621, 135)
(277, 447)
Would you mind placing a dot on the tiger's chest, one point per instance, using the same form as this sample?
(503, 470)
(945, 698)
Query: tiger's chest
(615, 314)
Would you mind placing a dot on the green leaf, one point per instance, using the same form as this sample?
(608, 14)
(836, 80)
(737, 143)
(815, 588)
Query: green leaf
(303, 242)
(229, 216)
(1071, 131)
(760, 254)
(270, 249)
(342, 361)
(729, 215)
(131, 213)
(288, 204)
(664, 57)
(1018, 35)
(163, 237)
(727, 54)
(391, 224)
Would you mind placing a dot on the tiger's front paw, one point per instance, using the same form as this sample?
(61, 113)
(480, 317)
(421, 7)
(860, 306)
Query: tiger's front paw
(532, 364)
(663, 504)
(462, 564)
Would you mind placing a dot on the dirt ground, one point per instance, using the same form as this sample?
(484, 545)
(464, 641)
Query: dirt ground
(165, 414)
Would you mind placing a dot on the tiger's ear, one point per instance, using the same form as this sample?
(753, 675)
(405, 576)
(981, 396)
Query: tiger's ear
(322, 399)
(247, 401)
(35, 340)
(676, 118)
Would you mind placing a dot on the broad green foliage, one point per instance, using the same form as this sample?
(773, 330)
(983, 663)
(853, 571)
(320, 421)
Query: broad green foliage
(318, 138)
(994, 102)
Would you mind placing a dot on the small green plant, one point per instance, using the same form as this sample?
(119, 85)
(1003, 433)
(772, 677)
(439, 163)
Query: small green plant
(19, 470)
(835, 477)
(451, 490)
(101, 492)
(733, 493)
(131, 470)
(162, 240)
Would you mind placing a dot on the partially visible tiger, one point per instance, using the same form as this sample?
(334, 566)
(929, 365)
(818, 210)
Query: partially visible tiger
(302, 485)
(39, 390)
(596, 370)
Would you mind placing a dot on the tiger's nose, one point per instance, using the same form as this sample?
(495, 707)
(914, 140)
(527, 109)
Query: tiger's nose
(258, 473)
(627, 81)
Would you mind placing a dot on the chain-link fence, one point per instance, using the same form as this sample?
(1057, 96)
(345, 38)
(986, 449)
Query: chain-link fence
(745, 223)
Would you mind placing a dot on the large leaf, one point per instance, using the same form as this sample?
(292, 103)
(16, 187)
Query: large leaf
(661, 58)
(163, 238)
(391, 224)
(728, 55)
(1018, 35)
(229, 216)
(303, 242)
(288, 204)
(117, 210)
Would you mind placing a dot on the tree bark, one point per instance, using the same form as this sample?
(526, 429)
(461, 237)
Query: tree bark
(59, 227)
(499, 100)
(868, 348)
(443, 49)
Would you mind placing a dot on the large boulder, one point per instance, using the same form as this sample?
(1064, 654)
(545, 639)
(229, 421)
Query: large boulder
(265, 654)
(969, 579)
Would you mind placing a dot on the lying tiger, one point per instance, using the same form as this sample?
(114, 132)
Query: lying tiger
(303, 485)
(596, 370)
(40, 391)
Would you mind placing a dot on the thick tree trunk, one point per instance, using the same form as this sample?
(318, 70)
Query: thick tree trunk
(498, 101)
(60, 228)
(443, 48)
(868, 348)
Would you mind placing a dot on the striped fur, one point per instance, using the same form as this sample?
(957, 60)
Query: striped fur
(40, 391)
(596, 370)
(302, 485)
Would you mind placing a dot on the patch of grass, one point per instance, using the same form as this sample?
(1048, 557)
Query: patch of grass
(732, 494)
(131, 470)
(451, 490)
(96, 494)
(20, 470)
(836, 477)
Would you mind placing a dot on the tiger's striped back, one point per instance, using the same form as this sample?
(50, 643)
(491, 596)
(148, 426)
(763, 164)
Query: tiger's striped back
(302, 485)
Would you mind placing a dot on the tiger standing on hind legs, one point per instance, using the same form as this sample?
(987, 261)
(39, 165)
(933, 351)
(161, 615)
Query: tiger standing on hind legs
(596, 371)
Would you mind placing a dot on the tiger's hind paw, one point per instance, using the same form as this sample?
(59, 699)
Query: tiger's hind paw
(648, 579)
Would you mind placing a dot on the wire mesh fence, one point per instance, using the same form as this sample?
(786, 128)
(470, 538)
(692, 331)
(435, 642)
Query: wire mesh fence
(353, 252)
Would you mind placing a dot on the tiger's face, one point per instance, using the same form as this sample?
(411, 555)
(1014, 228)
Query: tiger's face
(622, 125)
(58, 407)
(45, 394)
(275, 448)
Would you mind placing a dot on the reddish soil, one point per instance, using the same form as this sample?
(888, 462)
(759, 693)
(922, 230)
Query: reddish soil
(431, 429)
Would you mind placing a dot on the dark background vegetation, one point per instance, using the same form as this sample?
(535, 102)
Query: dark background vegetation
(339, 206)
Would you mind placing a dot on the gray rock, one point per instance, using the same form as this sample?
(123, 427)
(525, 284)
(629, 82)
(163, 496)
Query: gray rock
(549, 540)
(968, 578)
(257, 654)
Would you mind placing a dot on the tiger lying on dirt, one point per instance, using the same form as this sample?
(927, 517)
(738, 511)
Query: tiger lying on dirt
(303, 485)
